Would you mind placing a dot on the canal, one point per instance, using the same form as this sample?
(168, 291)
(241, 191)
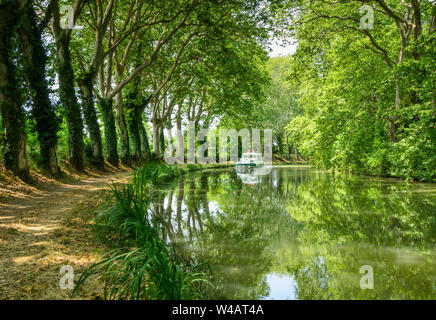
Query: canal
(301, 233)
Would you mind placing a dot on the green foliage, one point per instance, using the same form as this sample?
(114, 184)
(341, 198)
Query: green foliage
(347, 88)
(155, 173)
(142, 265)
(313, 226)
(192, 166)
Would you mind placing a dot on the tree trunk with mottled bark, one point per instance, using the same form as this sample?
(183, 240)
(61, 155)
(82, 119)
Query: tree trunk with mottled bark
(13, 119)
(43, 111)
(122, 129)
(133, 126)
(91, 121)
(156, 140)
(144, 139)
(162, 140)
(110, 132)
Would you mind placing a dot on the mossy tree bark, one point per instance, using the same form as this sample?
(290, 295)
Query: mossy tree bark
(162, 141)
(43, 111)
(119, 114)
(122, 129)
(132, 124)
(87, 82)
(156, 139)
(90, 117)
(71, 107)
(67, 93)
(110, 132)
(135, 136)
(13, 119)
(288, 147)
(144, 138)
(138, 134)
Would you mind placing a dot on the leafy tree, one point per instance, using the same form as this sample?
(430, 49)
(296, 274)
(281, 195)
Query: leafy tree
(362, 90)
(13, 119)
(67, 92)
(43, 111)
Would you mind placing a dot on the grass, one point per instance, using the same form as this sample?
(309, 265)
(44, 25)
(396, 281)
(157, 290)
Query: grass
(141, 265)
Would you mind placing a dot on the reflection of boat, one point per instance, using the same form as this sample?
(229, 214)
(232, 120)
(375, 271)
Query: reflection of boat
(250, 159)
(251, 175)
(248, 178)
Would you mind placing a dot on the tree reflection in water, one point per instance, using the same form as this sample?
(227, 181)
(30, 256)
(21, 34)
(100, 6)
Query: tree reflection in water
(315, 227)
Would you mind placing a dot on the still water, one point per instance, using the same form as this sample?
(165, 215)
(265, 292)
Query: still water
(301, 233)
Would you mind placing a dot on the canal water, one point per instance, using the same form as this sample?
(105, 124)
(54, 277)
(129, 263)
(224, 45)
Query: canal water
(301, 233)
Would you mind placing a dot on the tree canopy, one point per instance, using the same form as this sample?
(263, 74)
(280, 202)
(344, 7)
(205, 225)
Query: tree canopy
(88, 81)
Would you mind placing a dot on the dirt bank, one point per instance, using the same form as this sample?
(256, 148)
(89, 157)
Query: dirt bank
(43, 230)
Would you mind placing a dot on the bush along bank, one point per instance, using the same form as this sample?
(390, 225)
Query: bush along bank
(140, 264)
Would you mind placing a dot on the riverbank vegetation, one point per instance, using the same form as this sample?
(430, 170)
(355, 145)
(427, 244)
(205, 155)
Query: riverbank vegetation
(96, 89)
(84, 82)
(302, 233)
(141, 263)
(367, 91)
(106, 83)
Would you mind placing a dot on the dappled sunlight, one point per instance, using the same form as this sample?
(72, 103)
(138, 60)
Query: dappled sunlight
(39, 244)
(23, 260)
(37, 238)
(6, 217)
(195, 149)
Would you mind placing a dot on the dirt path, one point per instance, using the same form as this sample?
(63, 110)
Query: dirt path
(41, 232)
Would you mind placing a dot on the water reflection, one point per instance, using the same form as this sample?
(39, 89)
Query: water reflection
(281, 287)
(299, 233)
(252, 175)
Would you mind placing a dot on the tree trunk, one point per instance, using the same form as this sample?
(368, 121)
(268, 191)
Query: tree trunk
(393, 119)
(122, 130)
(280, 145)
(67, 95)
(161, 141)
(71, 108)
(69, 102)
(43, 111)
(288, 147)
(144, 138)
(431, 30)
(91, 121)
(133, 124)
(156, 140)
(13, 119)
(432, 27)
(180, 137)
(110, 132)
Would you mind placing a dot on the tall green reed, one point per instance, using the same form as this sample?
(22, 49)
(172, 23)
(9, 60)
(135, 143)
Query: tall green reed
(142, 265)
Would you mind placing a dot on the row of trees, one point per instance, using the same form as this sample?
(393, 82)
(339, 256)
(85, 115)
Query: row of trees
(367, 91)
(278, 106)
(122, 64)
(355, 95)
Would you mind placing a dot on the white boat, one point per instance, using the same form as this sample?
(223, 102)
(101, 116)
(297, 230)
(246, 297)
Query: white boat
(250, 159)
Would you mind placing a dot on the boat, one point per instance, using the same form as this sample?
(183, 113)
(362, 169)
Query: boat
(250, 159)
